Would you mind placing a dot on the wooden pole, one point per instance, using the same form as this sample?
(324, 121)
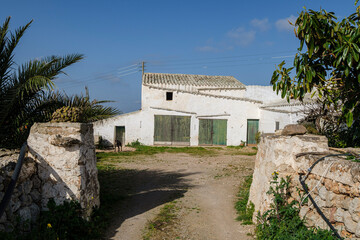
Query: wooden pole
(143, 67)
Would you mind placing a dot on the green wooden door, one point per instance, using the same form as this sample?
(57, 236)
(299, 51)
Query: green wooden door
(205, 131)
(219, 131)
(180, 129)
(162, 131)
(252, 129)
(212, 131)
(169, 129)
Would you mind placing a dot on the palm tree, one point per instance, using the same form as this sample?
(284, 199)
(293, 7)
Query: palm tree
(90, 110)
(22, 89)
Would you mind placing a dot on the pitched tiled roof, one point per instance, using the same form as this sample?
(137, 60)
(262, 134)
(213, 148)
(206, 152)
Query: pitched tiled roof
(192, 80)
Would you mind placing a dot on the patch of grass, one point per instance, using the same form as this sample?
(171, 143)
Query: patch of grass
(244, 210)
(243, 153)
(166, 216)
(150, 150)
(236, 147)
(353, 158)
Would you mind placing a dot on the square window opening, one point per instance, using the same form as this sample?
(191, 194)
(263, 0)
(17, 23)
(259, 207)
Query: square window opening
(169, 96)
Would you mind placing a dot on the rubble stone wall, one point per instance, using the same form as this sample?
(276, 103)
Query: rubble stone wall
(60, 164)
(25, 202)
(335, 182)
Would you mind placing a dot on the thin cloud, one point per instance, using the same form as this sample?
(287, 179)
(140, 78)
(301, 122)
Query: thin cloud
(261, 24)
(240, 36)
(284, 25)
(236, 37)
(207, 49)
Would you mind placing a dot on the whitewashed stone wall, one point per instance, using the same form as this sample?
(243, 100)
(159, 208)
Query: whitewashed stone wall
(337, 194)
(60, 164)
(67, 162)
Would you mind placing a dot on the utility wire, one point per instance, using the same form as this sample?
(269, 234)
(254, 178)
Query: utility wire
(211, 67)
(84, 77)
(225, 57)
(94, 79)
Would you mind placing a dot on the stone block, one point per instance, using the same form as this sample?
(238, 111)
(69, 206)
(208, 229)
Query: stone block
(346, 203)
(36, 182)
(357, 232)
(3, 218)
(35, 212)
(339, 215)
(25, 214)
(25, 200)
(27, 186)
(35, 195)
(354, 209)
(323, 193)
(293, 129)
(350, 225)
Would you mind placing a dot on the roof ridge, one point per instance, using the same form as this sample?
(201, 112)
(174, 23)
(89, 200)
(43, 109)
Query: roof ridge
(183, 74)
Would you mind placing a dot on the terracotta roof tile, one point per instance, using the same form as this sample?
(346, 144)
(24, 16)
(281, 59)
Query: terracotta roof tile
(192, 80)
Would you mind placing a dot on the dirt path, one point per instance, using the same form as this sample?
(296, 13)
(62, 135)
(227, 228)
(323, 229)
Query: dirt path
(204, 188)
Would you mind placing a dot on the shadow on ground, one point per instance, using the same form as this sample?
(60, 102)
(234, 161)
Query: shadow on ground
(126, 193)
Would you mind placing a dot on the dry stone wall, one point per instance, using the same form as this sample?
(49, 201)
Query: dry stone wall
(25, 202)
(60, 164)
(335, 182)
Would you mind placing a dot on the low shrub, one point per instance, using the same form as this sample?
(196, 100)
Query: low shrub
(282, 220)
(63, 222)
(135, 144)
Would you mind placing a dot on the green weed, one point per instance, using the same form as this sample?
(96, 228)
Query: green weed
(166, 216)
(244, 210)
(282, 220)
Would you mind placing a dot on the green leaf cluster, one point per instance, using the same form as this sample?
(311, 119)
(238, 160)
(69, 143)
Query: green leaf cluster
(282, 220)
(327, 63)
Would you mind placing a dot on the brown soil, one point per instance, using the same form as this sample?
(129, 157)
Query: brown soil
(204, 188)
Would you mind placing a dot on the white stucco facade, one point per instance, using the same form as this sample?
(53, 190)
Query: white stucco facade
(236, 105)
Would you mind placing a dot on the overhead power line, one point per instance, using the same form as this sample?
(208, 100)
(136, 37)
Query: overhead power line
(97, 79)
(223, 57)
(88, 76)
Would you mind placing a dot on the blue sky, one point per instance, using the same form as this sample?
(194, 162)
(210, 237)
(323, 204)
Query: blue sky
(244, 39)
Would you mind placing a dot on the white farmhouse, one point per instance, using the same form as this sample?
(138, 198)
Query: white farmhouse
(184, 109)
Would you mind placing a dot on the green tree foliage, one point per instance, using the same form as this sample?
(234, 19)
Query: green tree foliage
(26, 94)
(22, 88)
(328, 67)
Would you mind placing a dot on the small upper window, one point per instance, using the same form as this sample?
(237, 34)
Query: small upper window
(277, 125)
(169, 96)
